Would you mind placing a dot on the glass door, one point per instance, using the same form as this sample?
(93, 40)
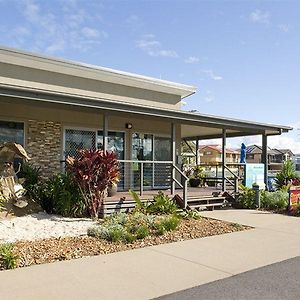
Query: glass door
(115, 143)
(162, 172)
(142, 149)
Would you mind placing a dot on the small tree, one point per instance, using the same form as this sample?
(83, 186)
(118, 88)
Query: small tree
(94, 171)
(287, 176)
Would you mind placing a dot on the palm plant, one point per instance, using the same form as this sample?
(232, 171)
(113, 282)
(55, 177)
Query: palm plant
(286, 176)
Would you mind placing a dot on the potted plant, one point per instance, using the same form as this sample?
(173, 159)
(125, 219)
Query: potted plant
(112, 189)
(197, 177)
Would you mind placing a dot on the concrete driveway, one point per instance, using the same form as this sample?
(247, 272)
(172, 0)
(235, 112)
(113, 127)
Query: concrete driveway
(164, 269)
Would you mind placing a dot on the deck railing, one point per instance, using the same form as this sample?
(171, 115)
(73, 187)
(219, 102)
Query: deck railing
(234, 174)
(141, 175)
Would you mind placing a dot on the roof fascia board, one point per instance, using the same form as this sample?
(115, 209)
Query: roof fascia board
(217, 136)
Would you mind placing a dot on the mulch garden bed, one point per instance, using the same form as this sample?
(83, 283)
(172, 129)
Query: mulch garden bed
(66, 248)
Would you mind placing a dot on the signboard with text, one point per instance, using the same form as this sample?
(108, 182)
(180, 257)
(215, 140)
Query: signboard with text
(294, 198)
(254, 173)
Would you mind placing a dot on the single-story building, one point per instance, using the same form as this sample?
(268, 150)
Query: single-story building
(55, 107)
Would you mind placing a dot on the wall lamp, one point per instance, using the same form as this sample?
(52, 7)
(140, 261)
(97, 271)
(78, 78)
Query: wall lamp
(128, 125)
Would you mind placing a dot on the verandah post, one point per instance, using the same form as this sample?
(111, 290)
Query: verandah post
(264, 158)
(173, 154)
(105, 131)
(223, 159)
(197, 152)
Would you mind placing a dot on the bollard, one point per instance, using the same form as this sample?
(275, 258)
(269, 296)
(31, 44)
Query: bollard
(255, 187)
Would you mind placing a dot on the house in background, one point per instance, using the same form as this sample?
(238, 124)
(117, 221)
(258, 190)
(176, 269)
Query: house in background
(297, 161)
(212, 154)
(276, 157)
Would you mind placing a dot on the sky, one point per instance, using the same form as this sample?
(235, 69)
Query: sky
(242, 56)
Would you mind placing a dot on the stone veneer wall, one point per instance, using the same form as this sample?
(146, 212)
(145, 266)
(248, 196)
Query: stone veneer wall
(44, 146)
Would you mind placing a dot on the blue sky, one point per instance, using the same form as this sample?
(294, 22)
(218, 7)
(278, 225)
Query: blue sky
(243, 56)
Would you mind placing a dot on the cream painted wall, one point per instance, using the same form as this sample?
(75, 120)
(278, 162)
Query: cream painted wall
(26, 77)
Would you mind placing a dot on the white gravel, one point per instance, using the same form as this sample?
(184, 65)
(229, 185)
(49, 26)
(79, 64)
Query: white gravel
(40, 226)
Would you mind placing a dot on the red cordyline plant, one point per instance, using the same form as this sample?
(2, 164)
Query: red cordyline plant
(94, 171)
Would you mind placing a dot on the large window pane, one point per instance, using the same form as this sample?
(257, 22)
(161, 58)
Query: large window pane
(116, 142)
(11, 132)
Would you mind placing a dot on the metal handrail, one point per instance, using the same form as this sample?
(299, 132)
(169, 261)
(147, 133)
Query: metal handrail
(183, 186)
(146, 161)
(235, 184)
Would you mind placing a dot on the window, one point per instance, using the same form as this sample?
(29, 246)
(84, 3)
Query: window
(76, 140)
(115, 142)
(11, 132)
(207, 153)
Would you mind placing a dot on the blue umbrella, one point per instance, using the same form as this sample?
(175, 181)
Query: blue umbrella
(243, 154)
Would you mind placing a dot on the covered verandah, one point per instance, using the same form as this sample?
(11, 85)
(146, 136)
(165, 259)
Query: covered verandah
(182, 126)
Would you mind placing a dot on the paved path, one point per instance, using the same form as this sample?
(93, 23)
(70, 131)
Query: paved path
(277, 281)
(164, 269)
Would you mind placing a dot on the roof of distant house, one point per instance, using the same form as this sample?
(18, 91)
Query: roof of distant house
(255, 149)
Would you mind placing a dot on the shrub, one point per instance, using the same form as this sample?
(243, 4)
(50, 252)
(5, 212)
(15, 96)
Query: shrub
(117, 218)
(128, 228)
(31, 175)
(142, 232)
(287, 175)
(161, 204)
(109, 232)
(129, 238)
(8, 260)
(170, 223)
(274, 200)
(160, 229)
(190, 214)
(139, 205)
(246, 198)
(94, 171)
(298, 209)
(60, 195)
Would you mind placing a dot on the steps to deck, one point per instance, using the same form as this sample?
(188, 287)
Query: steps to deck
(206, 202)
(199, 202)
(111, 207)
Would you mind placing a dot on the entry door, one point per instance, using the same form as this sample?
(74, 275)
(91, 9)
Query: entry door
(162, 172)
(115, 143)
(142, 149)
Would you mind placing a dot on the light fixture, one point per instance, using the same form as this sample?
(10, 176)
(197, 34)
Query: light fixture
(128, 125)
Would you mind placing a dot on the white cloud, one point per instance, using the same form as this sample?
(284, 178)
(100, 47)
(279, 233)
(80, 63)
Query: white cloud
(284, 27)
(258, 16)
(90, 32)
(55, 32)
(212, 75)
(149, 44)
(209, 97)
(191, 60)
